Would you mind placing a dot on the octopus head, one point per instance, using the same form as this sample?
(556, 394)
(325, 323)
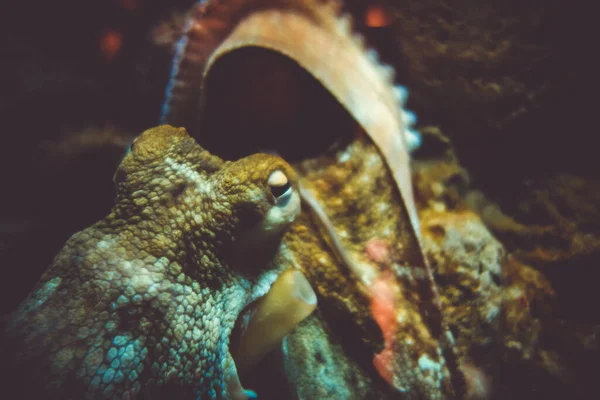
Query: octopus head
(223, 221)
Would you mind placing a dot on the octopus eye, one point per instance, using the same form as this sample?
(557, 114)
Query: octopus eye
(280, 186)
(130, 147)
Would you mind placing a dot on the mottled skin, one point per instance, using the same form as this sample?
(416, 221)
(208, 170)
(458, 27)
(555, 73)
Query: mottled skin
(354, 188)
(142, 303)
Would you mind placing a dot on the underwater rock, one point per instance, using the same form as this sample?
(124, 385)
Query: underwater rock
(439, 179)
(318, 367)
(513, 314)
(467, 262)
(503, 79)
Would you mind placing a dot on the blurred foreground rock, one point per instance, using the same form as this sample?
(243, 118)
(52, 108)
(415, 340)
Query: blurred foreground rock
(518, 293)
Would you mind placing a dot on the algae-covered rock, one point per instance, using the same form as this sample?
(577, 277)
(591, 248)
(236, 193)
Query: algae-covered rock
(504, 281)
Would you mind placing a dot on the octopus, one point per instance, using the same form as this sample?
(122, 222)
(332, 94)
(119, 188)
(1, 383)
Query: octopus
(142, 304)
(291, 77)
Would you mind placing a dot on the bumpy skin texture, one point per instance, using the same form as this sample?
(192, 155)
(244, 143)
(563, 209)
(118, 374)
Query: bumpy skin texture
(142, 303)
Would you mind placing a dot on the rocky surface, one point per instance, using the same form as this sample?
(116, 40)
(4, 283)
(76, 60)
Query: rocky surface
(513, 313)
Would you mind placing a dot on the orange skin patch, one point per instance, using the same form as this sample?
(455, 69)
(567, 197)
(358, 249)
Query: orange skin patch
(110, 44)
(382, 307)
(383, 300)
(376, 17)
